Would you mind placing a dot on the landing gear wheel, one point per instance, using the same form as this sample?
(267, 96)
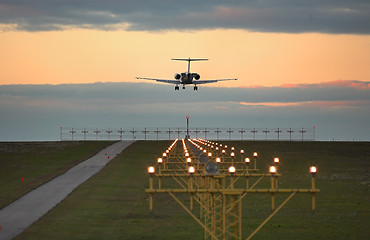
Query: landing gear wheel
(195, 88)
(177, 88)
(183, 87)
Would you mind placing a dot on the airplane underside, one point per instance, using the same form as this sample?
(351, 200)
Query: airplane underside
(183, 87)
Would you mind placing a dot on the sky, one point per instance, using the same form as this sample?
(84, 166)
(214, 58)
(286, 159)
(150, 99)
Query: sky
(74, 63)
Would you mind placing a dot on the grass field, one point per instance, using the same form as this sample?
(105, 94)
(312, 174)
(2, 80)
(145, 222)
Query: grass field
(27, 165)
(113, 205)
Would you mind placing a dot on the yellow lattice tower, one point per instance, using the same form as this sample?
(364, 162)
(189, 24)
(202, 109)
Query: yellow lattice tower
(209, 175)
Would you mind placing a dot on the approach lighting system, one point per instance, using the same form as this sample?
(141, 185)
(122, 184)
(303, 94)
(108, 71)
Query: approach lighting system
(216, 184)
(151, 170)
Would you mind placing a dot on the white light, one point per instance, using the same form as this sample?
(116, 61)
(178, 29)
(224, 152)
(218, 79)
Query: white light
(209, 154)
(191, 170)
(164, 155)
(232, 169)
(255, 154)
(151, 170)
(276, 160)
(313, 169)
(218, 160)
(188, 160)
(247, 160)
(272, 169)
(232, 154)
(232, 148)
(160, 160)
(242, 151)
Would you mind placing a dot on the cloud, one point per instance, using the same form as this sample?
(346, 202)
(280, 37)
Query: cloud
(30, 112)
(264, 16)
(338, 83)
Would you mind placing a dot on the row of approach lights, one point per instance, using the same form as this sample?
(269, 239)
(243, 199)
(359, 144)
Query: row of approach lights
(232, 169)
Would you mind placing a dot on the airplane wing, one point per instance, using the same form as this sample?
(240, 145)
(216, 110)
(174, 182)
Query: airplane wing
(161, 80)
(213, 81)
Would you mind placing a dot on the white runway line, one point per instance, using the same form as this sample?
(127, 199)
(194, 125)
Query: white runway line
(20, 214)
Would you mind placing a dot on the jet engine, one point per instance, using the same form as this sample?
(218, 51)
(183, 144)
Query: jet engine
(196, 76)
(177, 76)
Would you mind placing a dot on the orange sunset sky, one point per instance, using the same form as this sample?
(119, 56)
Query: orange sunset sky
(266, 59)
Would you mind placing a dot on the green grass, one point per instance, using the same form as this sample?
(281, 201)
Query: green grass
(113, 204)
(37, 163)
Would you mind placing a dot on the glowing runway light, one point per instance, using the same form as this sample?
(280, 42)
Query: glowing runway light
(151, 170)
(313, 169)
(232, 169)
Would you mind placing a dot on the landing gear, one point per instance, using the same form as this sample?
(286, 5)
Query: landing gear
(183, 87)
(177, 88)
(195, 88)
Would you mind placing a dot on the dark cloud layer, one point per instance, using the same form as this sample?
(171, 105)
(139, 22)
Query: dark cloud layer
(35, 112)
(331, 16)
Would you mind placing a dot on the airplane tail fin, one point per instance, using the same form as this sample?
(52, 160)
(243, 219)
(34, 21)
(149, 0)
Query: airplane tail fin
(189, 60)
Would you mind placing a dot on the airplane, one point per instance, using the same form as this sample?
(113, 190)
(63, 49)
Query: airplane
(186, 78)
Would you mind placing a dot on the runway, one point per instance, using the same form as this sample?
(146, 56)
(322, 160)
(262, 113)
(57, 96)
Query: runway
(20, 214)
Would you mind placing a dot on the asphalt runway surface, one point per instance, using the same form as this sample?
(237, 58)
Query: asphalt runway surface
(20, 214)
